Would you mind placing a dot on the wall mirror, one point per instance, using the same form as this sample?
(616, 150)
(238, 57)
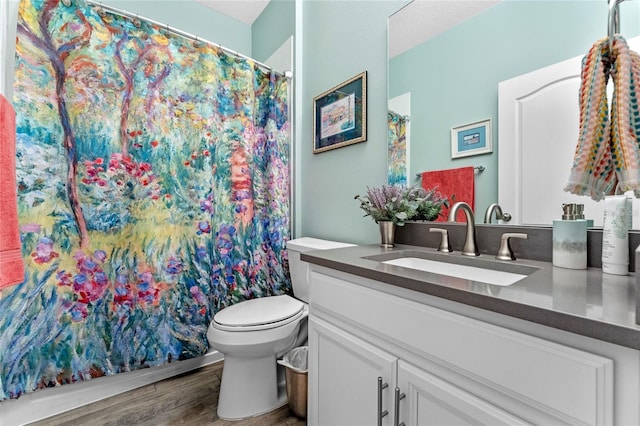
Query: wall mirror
(450, 77)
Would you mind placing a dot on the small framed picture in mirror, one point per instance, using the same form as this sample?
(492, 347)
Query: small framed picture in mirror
(471, 139)
(340, 115)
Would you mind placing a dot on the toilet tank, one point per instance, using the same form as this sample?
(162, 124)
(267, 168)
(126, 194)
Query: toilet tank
(299, 269)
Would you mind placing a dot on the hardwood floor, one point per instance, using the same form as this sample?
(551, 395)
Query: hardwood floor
(188, 399)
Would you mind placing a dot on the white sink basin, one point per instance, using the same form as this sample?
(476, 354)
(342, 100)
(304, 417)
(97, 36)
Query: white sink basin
(488, 276)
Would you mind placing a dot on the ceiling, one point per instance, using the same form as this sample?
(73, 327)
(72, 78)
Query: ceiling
(421, 20)
(415, 23)
(245, 11)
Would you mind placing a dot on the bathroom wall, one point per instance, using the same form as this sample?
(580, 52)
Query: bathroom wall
(8, 13)
(339, 40)
(275, 25)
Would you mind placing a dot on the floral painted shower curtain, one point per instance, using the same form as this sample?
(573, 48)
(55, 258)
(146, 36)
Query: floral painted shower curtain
(397, 148)
(153, 191)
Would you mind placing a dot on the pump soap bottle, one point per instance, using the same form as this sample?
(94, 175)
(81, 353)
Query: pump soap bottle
(570, 239)
(580, 215)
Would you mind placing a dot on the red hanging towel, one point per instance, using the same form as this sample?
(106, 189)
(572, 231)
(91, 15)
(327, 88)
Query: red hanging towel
(454, 184)
(11, 265)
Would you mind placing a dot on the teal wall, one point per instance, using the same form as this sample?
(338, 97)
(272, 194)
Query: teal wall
(453, 78)
(193, 18)
(275, 25)
(339, 40)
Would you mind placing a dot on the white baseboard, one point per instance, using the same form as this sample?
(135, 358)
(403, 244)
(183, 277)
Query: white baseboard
(49, 402)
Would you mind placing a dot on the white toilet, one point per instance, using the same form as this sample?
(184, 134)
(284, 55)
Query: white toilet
(253, 334)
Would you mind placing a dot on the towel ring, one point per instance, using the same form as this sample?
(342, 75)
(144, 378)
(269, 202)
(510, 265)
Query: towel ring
(613, 27)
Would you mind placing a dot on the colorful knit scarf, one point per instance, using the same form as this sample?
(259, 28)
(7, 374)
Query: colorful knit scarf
(607, 156)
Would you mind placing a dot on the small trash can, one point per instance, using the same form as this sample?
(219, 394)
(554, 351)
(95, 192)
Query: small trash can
(295, 363)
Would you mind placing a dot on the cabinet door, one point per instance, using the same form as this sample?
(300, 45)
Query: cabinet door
(430, 400)
(343, 378)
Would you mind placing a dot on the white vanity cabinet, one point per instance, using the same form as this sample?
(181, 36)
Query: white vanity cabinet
(359, 384)
(346, 371)
(449, 368)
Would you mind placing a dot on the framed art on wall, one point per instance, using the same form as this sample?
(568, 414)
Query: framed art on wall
(471, 139)
(340, 115)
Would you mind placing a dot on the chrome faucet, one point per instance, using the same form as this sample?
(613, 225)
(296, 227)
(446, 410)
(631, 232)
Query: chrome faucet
(470, 245)
(506, 217)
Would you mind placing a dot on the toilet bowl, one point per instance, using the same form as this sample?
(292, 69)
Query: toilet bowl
(252, 334)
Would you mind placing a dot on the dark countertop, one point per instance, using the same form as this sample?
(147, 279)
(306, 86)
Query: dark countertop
(585, 302)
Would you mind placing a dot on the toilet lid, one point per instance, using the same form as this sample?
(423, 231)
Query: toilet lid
(262, 311)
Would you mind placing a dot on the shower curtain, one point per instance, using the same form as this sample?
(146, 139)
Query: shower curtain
(153, 190)
(397, 155)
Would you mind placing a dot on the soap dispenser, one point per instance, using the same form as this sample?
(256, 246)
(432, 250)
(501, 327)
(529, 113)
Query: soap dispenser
(580, 215)
(570, 239)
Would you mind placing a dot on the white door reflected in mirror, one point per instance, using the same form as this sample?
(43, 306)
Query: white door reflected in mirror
(539, 121)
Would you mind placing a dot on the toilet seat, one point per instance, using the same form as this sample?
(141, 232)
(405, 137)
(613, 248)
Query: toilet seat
(259, 314)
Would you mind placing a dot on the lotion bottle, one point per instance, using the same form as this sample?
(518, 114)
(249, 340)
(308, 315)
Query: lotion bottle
(618, 216)
(570, 240)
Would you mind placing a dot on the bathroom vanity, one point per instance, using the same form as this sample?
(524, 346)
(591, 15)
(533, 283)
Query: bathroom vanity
(394, 345)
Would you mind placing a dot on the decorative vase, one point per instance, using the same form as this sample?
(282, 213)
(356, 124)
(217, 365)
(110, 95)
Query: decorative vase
(387, 233)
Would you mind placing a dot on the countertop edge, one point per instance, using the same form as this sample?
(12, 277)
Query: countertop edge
(588, 327)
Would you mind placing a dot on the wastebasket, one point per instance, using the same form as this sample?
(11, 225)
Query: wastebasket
(295, 363)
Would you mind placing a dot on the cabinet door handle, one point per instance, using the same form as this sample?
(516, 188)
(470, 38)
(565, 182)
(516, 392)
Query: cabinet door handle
(381, 413)
(396, 415)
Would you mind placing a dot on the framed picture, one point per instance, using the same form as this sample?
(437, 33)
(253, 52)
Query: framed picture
(340, 115)
(471, 139)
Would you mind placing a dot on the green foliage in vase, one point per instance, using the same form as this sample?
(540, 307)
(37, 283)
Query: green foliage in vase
(431, 205)
(397, 203)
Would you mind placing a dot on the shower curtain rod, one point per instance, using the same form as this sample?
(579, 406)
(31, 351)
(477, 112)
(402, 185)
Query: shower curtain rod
(130, 15)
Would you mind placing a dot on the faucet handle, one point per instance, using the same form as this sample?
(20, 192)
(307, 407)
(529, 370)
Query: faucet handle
(445, 246)
(505, 252)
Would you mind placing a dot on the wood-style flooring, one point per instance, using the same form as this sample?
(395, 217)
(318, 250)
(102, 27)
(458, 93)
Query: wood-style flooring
(188, 399)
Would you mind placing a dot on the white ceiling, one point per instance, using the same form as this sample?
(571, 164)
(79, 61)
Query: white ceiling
(245, 11)
(415, 23)
(421, 20)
